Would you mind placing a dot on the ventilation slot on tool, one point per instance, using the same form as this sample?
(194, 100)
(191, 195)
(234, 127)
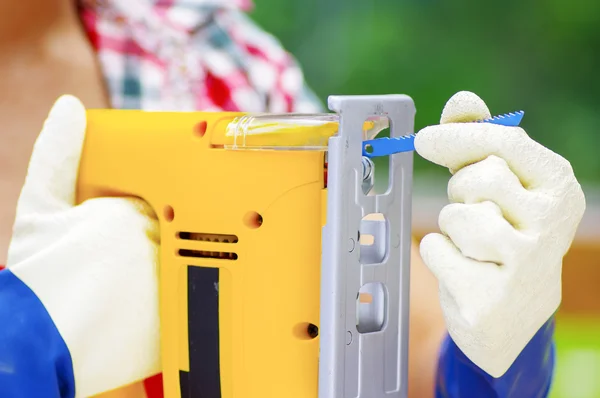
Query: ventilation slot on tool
(204, 237)
(220, 238)
(207, 254)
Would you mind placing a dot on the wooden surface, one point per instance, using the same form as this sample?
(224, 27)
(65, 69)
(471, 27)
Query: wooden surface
(581, 280)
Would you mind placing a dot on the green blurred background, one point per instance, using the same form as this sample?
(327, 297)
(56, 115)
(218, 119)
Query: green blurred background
(538, 56)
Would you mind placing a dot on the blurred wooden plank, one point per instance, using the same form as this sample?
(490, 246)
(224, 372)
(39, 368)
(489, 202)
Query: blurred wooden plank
(581, 279)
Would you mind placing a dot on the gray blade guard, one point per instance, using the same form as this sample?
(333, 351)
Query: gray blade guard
(364, 342)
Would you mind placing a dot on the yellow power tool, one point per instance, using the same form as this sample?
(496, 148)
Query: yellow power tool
(276, 280)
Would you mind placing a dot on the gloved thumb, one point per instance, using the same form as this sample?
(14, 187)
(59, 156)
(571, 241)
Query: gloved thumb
(463, 107)
(431, 143)
(50, 185)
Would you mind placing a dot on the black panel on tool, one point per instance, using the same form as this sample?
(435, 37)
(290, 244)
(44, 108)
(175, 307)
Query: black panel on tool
(184, 384)
(204, 378)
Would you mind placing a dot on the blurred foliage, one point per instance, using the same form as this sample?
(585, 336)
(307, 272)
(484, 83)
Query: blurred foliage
(538, 56)
(578, 358)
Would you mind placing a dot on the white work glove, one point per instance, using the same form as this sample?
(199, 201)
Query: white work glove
(93, 266)
(515, 207)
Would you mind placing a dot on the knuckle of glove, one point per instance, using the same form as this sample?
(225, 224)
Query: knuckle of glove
(481, 181)
(438, 255)
(425, 143)
(427, 248)
(573, 196)
(562, 206)
(476, 230)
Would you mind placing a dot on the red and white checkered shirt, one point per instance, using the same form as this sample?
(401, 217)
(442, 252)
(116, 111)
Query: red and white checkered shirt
(187, 55)
(192, 55)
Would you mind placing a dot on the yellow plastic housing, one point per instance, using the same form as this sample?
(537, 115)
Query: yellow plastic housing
(251, 219)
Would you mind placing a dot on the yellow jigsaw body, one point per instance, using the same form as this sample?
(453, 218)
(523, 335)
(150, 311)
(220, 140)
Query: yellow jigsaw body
(244, 243)
(261, 295)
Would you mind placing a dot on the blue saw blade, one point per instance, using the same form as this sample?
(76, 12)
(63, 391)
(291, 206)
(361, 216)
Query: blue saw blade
(388, 146)
(512, 119)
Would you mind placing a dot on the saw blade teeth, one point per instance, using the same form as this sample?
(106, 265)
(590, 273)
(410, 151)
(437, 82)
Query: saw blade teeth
(507, 119)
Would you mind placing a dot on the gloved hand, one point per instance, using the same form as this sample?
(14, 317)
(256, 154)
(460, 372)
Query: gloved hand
(93, 266)
(515, 207)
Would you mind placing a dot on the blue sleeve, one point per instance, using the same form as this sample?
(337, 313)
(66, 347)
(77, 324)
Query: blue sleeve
(34, 359)
(530, 376)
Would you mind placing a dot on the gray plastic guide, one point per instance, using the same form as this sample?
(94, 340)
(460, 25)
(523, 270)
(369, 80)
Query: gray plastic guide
(364, 346)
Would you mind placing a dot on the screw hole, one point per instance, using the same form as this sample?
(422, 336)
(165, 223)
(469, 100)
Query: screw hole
(200, 129)
(306, 331)
(168, 213)
(253, 220)
(368, 149)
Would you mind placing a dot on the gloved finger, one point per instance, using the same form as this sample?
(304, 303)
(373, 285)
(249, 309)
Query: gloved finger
(457, 274)
(52, 173)
(456, 145)
(492, 180)
(464, 106)
(480, 232)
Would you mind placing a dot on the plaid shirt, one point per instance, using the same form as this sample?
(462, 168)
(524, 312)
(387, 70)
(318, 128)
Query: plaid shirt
(188, 55)
(192, 55)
